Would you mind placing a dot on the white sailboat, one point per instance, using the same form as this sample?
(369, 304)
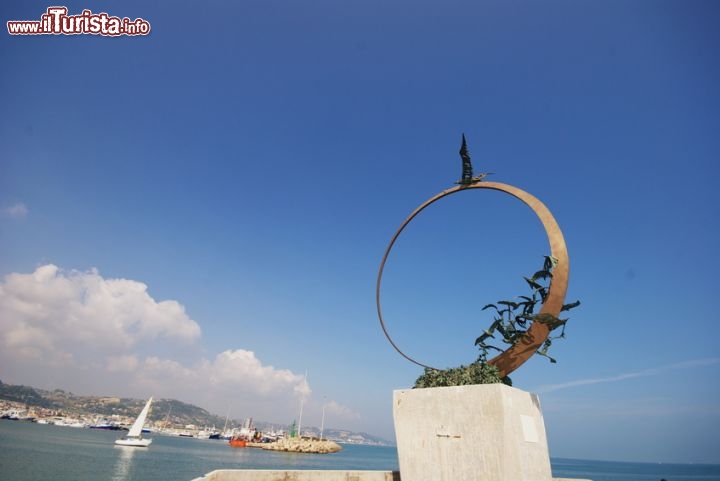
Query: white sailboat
(134, 436)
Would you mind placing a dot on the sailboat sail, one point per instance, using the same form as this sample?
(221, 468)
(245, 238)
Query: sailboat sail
(136, 428)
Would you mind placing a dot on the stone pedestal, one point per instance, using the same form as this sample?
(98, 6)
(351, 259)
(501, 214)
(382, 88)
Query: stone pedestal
(489, 432)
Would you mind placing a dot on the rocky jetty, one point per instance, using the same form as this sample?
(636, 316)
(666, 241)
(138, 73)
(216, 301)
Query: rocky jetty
(298, 445)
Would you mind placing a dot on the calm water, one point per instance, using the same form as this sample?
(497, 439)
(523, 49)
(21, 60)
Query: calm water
(616, 471)
(35, 452)
(41, 452)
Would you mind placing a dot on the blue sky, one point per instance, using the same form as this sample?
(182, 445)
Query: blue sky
(200, 213)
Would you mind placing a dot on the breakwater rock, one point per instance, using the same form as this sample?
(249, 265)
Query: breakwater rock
(297, 445)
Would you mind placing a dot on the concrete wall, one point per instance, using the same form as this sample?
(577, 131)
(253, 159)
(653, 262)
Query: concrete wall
(273, 475)
(302, 475)
(490, 432)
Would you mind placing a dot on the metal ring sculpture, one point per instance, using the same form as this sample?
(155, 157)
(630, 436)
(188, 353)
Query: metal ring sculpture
(513, 357)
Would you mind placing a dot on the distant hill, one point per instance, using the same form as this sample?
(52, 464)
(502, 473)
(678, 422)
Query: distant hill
(176, 413)
(24, 394)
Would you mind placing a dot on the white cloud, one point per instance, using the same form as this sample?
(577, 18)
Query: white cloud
(52, 312)
(126, 363)
(16, 211)
(79, 331)
(628, 375)
(233, 374)
(338, 410)
(241, 367)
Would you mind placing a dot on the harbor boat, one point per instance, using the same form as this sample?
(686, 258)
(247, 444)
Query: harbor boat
(17, 415)
(134, 435)
(237, 442)
(104, 424)
(208, 433)
(70, 423)
(246, 433)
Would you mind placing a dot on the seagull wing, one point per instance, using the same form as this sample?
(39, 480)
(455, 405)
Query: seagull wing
(467, 170)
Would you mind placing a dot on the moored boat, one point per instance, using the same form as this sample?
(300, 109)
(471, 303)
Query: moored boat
(107, 425)
(237, 442)
(245, 434)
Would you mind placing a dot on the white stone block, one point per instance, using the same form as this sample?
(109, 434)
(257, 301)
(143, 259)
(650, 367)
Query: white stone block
(489, 432)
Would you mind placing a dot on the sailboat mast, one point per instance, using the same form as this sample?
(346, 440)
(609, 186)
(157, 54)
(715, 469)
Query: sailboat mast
(227, 416)
(302, 402)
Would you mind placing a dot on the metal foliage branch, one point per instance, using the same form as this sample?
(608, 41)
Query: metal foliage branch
(513, 318)
(511, 322)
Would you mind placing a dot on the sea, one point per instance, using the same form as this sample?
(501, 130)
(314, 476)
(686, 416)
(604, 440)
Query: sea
(41, 452)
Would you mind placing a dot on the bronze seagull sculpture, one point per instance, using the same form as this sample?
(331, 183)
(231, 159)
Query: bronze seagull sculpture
(467, 170)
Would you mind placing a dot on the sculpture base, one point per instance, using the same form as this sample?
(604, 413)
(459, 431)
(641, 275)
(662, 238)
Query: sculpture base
(489, 432)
